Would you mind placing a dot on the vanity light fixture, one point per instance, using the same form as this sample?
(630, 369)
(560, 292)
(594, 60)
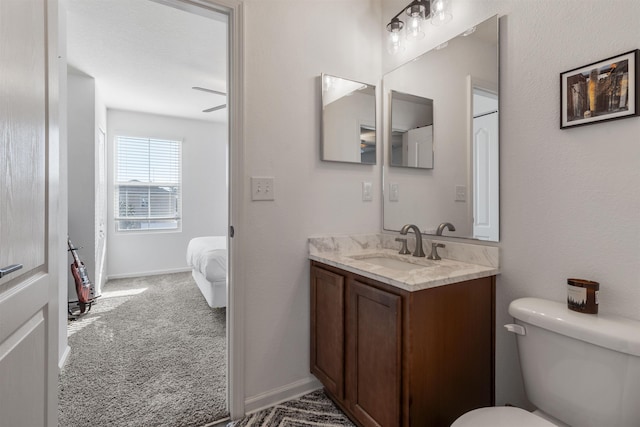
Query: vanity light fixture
(439, 11)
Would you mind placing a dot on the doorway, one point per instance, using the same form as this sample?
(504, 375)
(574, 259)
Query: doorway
(118, 100)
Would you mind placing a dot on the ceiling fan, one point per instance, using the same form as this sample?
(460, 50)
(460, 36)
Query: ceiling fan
(217, 92)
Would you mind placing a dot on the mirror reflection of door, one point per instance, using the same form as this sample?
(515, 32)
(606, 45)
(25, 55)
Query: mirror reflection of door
(411, 131)
(485, 165)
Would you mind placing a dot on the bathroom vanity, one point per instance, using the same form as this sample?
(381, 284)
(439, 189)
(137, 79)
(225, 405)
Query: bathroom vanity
(401, 348)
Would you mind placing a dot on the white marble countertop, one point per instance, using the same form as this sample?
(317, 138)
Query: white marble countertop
(342, 252)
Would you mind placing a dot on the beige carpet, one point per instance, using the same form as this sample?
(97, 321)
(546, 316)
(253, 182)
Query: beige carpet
(151, 352)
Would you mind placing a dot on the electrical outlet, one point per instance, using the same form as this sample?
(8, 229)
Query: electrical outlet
(461, 193)
(262, 188)
(367, 191)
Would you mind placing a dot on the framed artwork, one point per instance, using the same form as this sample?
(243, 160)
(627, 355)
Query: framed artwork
(604, 90)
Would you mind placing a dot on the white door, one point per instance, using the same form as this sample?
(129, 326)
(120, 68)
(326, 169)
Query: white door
(101, 212)
(419, 144)
(485, 177)
(28, 187)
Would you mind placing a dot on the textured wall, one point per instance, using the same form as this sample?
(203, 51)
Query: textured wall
(569, 198)
(289, 43)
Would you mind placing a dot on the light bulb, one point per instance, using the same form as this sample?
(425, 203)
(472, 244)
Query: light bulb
(441, 12)
(414, 27)
(394, 44)
(414, 22)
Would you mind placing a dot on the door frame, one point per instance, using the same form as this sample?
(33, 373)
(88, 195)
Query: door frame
(56, 189)
(235, 277)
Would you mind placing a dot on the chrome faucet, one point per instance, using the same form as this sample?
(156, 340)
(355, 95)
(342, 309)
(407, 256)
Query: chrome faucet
(418, 252)
(444, 225)
(434, 245)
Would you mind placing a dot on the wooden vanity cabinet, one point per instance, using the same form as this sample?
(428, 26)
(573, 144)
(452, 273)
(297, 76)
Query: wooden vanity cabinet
(389, 357)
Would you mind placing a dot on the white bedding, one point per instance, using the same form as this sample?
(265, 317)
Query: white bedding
(207, 257)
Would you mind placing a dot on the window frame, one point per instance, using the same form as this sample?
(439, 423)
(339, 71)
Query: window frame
(117, 219)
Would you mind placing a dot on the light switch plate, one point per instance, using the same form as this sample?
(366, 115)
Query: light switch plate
(394, 192)
(262, 188)
(461, 193)
(367, 191)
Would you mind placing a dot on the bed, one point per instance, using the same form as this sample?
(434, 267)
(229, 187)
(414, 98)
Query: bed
(207, 257)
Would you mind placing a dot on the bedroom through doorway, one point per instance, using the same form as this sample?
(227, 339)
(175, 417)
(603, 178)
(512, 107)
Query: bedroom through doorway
(147, 91)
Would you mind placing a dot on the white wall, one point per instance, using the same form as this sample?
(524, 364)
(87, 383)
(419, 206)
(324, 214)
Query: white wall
(81, 90)
(86, 115)
(569, 198)
(204, 192)
(289, 43)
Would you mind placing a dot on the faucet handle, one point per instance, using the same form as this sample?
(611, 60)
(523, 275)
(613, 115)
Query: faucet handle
(403, 250)
(434, 251)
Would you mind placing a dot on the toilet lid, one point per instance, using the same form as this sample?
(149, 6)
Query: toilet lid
(502, 416)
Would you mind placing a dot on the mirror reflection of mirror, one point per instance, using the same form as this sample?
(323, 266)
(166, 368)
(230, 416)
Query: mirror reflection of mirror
(411, 131)
(348, 121)
(462, 187)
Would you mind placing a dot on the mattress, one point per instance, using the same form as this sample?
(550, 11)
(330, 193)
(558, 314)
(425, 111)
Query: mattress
(208, 256)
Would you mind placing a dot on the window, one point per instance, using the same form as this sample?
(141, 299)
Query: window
(147, 184)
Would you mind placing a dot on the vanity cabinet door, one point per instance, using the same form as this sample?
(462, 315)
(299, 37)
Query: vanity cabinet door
(374, 365)
(327, 329)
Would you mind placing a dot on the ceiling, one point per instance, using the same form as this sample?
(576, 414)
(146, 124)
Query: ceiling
(146, 56)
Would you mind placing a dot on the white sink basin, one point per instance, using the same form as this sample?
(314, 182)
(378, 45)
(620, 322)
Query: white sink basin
(393, 262)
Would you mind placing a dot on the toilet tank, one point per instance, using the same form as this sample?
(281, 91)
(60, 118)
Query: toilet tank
(582, 369)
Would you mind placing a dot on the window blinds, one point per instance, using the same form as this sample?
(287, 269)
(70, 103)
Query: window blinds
(147, 183)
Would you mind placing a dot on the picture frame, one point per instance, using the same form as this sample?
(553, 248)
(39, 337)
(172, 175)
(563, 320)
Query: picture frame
(601, 91)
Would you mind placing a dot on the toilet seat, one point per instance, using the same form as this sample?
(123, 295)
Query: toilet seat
(502, 416)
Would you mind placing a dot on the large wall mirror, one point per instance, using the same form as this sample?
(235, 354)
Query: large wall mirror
(459, 131)
(348, 121)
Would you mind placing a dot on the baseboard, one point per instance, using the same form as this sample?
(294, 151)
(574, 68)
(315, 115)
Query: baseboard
(281, 394)
(148, 273)
(64, 358)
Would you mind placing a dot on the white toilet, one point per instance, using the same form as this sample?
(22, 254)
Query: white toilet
(580, 370)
